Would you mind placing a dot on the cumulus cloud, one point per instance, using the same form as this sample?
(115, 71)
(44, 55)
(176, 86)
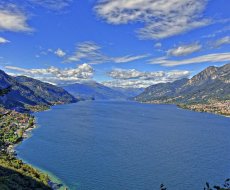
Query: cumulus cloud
(161, 18)
(3, 40)
(128, 83)
(211, 58)
(60, 53)
(221, 41)
(184, 50)
(133, 78)
(56, 75)
(12, 19)
(135, 74)
(91, 53)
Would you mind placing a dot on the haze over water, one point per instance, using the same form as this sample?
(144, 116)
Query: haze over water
(111, 145)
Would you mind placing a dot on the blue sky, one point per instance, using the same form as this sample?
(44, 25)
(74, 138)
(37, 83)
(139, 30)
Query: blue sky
(122, 43)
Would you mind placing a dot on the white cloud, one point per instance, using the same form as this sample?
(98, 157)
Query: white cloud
(132, 78)
(91, 53)
(128, 83)
(128, 58)
(161, 18)
(12, 19)
(3, 40)
(158, 45)
(184, 50)
(212, 58)
(88, 51)
(56, 75)
(135, 74)
(59, 52)
(221, 41)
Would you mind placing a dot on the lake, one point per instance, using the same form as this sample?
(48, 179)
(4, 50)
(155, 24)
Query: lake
(112, 145)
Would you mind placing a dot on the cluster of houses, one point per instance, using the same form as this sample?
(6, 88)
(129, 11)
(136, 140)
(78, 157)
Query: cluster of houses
(14, 121)
(222, 107)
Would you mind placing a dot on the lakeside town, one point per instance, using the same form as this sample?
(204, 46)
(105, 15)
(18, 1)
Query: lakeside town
(216, 107)
(213, 106)
(14, 127)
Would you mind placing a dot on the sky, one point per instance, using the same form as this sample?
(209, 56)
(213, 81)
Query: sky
(120, 43)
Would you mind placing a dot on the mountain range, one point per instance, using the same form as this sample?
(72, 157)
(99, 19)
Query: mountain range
(129, 92)
(25, 91)
(213, 83)
(97, 91)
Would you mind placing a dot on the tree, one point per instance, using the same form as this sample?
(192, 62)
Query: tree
(5, 91)
(162, 187)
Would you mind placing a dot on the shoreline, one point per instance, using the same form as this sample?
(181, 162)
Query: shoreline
(186, 107)
(54, 182)
(26, 127)
(51, 177)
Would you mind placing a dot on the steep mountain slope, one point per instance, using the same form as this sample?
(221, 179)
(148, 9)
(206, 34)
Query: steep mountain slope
(161, 91)
(93, 90)
(18, 95)
(48, 92)
(31, 93)
(213, 83)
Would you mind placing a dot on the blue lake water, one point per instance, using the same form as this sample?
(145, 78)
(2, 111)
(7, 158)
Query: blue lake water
(130, 146)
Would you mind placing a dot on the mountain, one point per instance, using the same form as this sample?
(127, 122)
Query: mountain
(25, 91)
(51, 93)
(129, 92)
(213, 83)
(93, 90)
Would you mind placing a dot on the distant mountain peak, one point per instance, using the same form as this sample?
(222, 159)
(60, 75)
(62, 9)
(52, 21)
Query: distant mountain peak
(211, 73)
